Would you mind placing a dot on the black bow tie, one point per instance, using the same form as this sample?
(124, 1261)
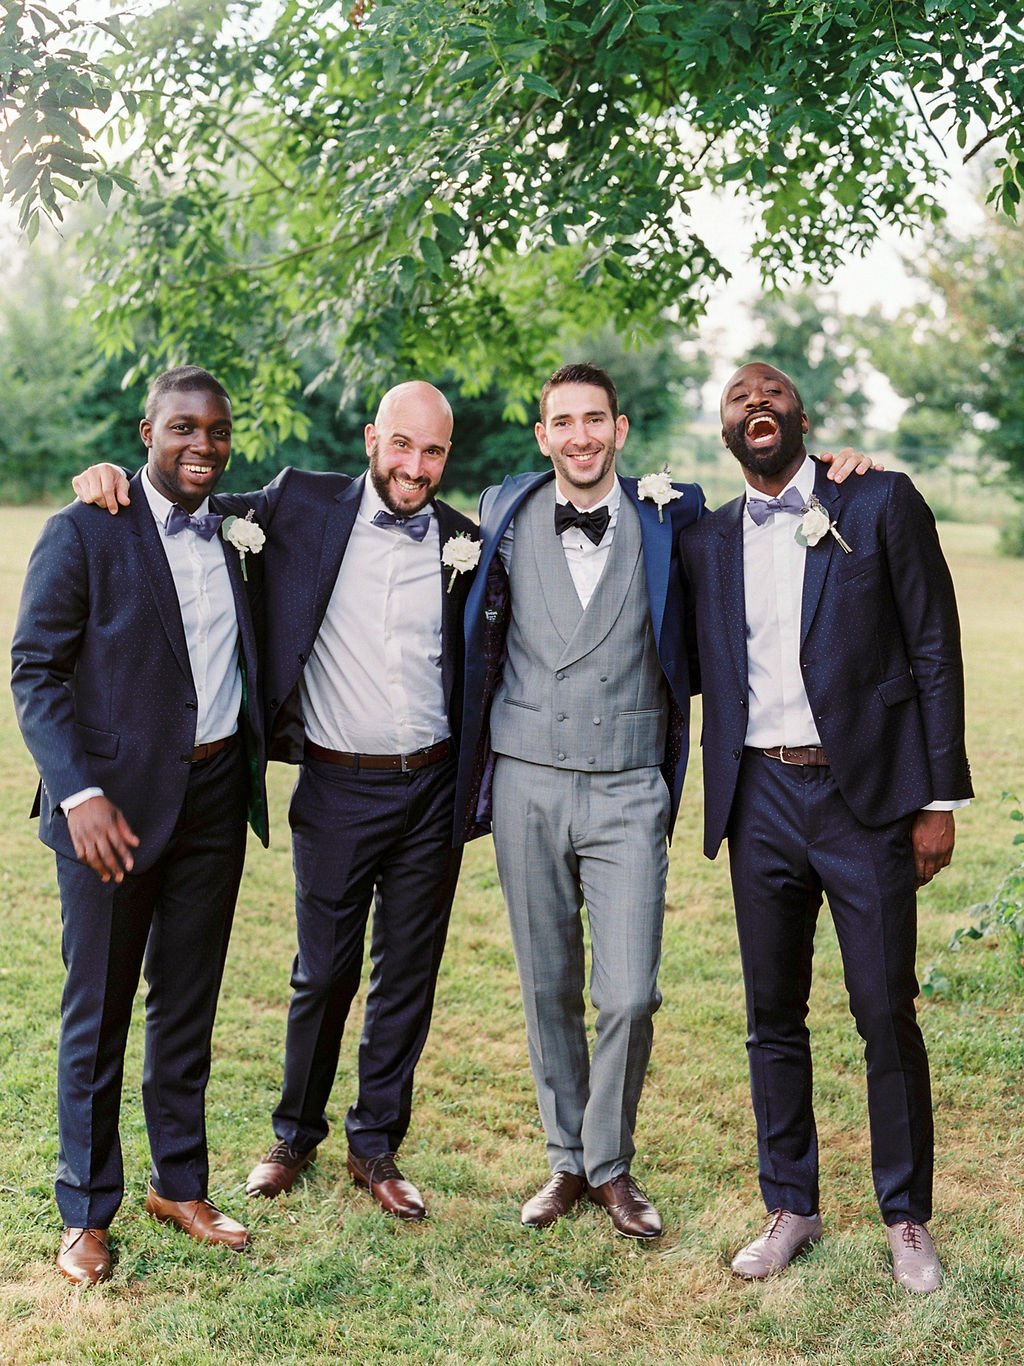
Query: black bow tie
(414, 527)
(206, 526)
(592, 524)
(761, 509)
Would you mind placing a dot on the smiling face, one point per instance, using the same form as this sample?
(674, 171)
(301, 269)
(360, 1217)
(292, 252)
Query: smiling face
(407, 446)
(188, 436)
(580, 437)
(763, 424)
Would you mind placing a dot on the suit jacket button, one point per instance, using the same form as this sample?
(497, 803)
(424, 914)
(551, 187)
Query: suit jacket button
(562, 757)
(597, 720)
(590, 758)
(191, 706)
(560, 716)
(743, 702)
(274, 704)
(736, 753)
(559, 675)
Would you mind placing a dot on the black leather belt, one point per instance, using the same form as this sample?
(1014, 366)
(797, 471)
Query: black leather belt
(393, 763)
(211, 747)
(807, 756)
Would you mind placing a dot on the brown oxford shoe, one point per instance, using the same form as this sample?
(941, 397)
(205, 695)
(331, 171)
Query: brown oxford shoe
(276, 1174)
(554, 1199)
(630, 1211)
(84, 1255)
(387, 1185)
(199, 1219)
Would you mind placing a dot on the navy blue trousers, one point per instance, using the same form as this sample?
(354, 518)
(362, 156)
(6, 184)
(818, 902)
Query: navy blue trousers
(361, 839)
(172, 922)
(791, 838)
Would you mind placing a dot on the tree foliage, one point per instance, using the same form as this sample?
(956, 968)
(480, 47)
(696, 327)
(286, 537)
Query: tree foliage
(959, 355)
(473, 185)
(48, 84)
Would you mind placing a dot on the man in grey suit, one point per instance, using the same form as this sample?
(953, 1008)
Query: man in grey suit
(583, 729)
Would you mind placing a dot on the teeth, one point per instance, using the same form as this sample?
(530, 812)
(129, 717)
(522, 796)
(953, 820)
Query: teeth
(198, 469)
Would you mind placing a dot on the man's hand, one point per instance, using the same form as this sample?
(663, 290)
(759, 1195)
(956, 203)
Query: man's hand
(104, 485)
(102, 837)
(932, 835)
(848, 461)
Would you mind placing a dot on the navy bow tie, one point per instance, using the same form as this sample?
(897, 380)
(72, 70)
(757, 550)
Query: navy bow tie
(761, 509)
(592, 524)
(206, 526)
(414, 527)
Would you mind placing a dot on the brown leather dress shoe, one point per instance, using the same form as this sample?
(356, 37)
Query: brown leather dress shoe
(630, 1211)
(554, 1199)
(199, 1219)
(276, 1174)
(387, 1185)
(84, 1255)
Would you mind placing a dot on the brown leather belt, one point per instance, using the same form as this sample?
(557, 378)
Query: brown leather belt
(807, 756)
(393, 763)
(211, 747)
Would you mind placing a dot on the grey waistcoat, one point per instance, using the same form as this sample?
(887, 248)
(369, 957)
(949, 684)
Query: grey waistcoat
(580, 689)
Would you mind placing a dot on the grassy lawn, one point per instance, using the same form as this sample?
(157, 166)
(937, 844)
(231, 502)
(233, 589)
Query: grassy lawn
(330, 1279)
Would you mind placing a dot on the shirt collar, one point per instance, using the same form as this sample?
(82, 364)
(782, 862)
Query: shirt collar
(610, 501)
(802, 481)
(161, 506)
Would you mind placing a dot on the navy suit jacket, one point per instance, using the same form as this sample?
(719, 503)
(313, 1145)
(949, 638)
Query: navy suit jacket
(103, 687)
(487, 625)
(308, 518)
(879, 651)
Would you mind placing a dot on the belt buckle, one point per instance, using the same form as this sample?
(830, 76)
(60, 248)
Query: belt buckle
(792, 763)
(406, 767)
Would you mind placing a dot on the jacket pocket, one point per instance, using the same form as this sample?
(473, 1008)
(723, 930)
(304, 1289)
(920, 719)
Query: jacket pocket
(853, 568)
(899, 689)
(103, 743)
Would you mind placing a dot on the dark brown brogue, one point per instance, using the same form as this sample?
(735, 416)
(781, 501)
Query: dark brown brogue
(554, 1199)
(381, 1177)
(276, 1174)
(84, 1255)
(630, 1211)
(199, 1219)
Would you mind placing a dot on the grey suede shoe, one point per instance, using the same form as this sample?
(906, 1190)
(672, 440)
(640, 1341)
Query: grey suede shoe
(915, 1263)
(785, 1235)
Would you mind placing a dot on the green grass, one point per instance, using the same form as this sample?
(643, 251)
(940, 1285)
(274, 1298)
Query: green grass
(330, 1279)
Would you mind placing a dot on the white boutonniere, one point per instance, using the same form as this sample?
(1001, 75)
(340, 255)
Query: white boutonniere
(658, 488)
(245, 534)
(460, 553)
(816, 523)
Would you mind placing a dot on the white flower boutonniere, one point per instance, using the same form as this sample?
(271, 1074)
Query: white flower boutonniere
(658, 488)
(816, 523)
(245, 535)
(460, 553)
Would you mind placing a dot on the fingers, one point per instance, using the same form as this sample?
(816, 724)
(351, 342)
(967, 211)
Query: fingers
(102, 838)
(103, 485)
(932, 835)
(847, 462)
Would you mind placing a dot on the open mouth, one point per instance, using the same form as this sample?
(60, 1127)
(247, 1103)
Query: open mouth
(762, 429)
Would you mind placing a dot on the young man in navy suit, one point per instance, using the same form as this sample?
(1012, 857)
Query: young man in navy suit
(136, 687)
(363, 689)
(829, 658)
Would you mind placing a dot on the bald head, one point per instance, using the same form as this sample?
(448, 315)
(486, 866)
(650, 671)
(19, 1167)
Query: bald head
(407, 445)
(763, 424)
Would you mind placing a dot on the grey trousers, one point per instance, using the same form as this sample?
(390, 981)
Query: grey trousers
(562, 839)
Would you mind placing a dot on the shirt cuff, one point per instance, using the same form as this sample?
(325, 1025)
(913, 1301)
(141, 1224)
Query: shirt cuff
(77, 798)
(947, 806)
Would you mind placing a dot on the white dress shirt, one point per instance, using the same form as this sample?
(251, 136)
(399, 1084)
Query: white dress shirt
(373, 681)
(584, 559)
(779, 712)
(208, 616)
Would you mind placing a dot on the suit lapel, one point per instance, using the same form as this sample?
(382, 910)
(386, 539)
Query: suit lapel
(246, 636)
(657, 548)
(452, 605)
(158, 577)
(730, 586)
(818, 557)
(338, 524)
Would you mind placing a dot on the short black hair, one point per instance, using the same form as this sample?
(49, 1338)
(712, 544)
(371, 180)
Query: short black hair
(582, 372)
(183, 377)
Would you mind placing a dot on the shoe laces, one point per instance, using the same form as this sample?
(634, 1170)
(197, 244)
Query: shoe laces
(382, 1168)
(777, 1221)
(911, 1235)
(284, 1154)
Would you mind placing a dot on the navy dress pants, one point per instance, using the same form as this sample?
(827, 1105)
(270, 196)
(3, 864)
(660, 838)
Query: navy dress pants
(172, 921)
(792, 837)
(359, 839)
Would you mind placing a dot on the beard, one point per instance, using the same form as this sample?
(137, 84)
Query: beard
(397, 500)
(768, 460)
